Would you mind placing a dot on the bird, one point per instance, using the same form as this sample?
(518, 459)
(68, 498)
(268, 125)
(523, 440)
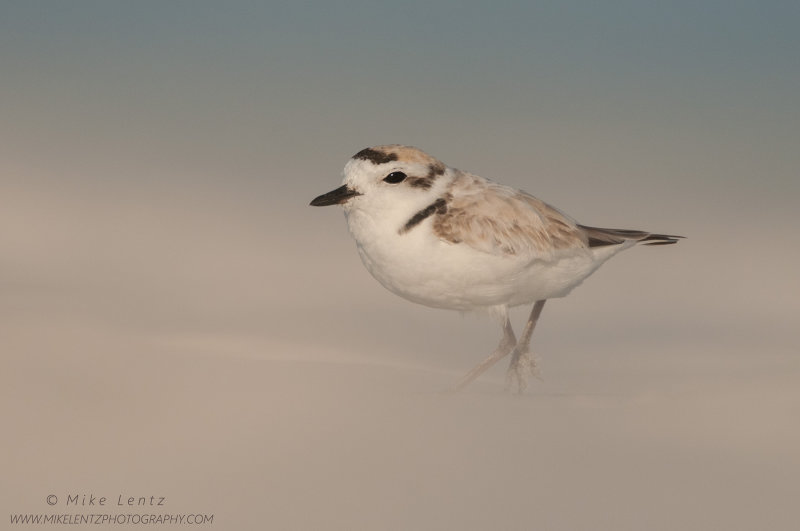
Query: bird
(446, 238)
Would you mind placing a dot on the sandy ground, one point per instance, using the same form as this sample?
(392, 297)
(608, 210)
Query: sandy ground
(320, 440)
(191, 348)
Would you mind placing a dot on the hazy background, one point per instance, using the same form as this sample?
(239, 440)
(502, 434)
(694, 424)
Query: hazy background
(176, 321)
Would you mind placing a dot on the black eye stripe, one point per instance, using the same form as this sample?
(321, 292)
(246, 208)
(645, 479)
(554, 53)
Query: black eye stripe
(395, 177)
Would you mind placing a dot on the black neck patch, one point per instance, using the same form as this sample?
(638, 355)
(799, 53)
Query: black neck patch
(437, 207)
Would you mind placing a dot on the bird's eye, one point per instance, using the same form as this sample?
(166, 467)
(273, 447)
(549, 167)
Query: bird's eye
(395, 177)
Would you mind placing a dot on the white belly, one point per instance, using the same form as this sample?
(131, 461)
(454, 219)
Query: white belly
(421, 268)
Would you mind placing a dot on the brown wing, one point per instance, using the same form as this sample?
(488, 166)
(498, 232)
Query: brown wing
(500, 220)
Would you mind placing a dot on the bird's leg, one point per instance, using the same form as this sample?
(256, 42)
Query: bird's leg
(503, 349)
(523, 365)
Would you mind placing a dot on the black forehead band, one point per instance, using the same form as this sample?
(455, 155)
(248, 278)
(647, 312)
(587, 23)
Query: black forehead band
(375, 156)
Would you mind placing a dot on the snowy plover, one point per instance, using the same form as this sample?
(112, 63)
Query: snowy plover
(445, 238)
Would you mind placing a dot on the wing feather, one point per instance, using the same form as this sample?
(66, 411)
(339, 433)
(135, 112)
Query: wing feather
(602, 237)
(500, 220)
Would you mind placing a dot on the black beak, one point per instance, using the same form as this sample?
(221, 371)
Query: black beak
(335, 197)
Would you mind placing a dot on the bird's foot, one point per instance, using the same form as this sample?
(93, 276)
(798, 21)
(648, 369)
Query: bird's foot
(522, 367)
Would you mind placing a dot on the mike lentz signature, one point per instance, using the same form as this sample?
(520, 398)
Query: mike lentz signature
(85, 500)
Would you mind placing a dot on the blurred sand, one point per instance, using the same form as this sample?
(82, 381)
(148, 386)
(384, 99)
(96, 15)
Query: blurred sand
(186, 345)
(319, 443)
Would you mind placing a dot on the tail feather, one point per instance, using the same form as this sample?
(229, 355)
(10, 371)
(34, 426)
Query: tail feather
(597, 237)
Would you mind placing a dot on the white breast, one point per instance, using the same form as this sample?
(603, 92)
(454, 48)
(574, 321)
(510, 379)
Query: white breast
(424, 269)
